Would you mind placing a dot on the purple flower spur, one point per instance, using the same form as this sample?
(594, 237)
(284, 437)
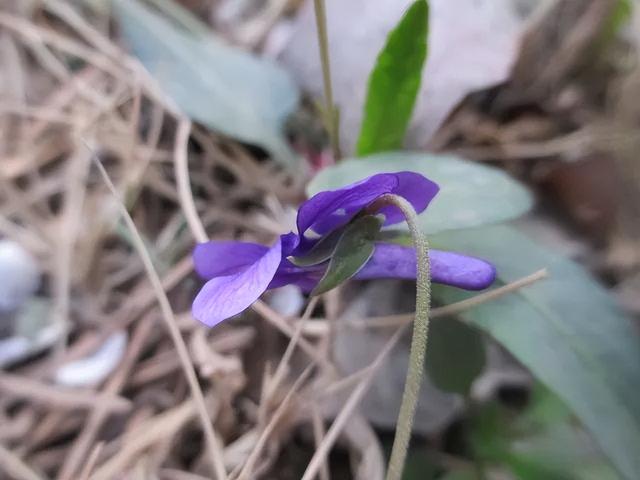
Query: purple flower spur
(238, 273)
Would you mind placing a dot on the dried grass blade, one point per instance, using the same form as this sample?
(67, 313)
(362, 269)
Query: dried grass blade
(215, 450)
(321, 453)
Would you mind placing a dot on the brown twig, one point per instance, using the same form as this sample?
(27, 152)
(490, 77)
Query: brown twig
(215, 450)
(320, 455)
(16, 468)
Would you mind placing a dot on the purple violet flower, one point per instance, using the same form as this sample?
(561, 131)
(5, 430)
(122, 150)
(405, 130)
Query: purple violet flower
(238, 273)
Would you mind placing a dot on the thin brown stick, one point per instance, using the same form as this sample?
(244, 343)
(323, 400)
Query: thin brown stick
(92, 425)
(245, 473)
(150, 432)
(318, 435)
(15, 467)
(172, 474)
(215, 450)
(320, 455)
(58, 397)
(39, 36)
(91, 462)
(390, 321)
(66, 240)
(582, 140)
(286, 357)
(49, 115)
(280, 323)
(494, 294)
(337, 386)
(71, 17)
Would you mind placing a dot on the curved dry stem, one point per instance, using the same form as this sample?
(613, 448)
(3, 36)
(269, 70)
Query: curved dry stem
(182, 180)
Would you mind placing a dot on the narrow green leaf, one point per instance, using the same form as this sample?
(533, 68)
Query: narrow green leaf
(225, 88)
(394, 83)
(353, 250)
(567, 330)
(321, 251)
(454, 372)
(619, 16)
(470, 194)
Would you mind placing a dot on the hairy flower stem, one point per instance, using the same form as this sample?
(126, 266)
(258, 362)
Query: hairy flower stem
(331, 113)
(415, 371)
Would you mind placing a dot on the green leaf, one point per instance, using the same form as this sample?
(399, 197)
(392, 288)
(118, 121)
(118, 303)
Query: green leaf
(541, 442)
(419, 466)
(619, 16)
(224, 88)
(460, 474)
(596, 471)
(321, 251)
(471, 194)
(544, 409)
(567, 331)
(394, 83)
(454, 372)
(353, 250)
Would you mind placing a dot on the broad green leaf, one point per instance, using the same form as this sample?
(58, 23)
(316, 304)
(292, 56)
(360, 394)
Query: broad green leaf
(597, 471)
(525, 467)
(471, 194)
(353, 250)
(541, 442)
(567, 331)
(418, 465)
(394, 83)
(454, 372)
(224, 88)
(458, 474)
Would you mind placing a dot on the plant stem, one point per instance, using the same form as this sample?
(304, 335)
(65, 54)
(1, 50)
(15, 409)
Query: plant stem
(331, 117)
(415, 371)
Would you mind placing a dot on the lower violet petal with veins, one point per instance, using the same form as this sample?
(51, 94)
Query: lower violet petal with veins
(225, 296)
(222, 258)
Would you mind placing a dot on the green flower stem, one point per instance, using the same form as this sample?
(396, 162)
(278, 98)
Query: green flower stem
(415, 371)
(331, 117)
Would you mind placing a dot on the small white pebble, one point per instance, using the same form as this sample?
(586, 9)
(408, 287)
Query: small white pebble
(19, 275)
(13, 349)
(288, 301)
(94, 369)
(33, 333)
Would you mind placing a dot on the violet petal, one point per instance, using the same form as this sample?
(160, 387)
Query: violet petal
(222, 258)
(416, 189)
(224, 297)
(328, 210)
(304, 277)
(307, 281)
(449, 268)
